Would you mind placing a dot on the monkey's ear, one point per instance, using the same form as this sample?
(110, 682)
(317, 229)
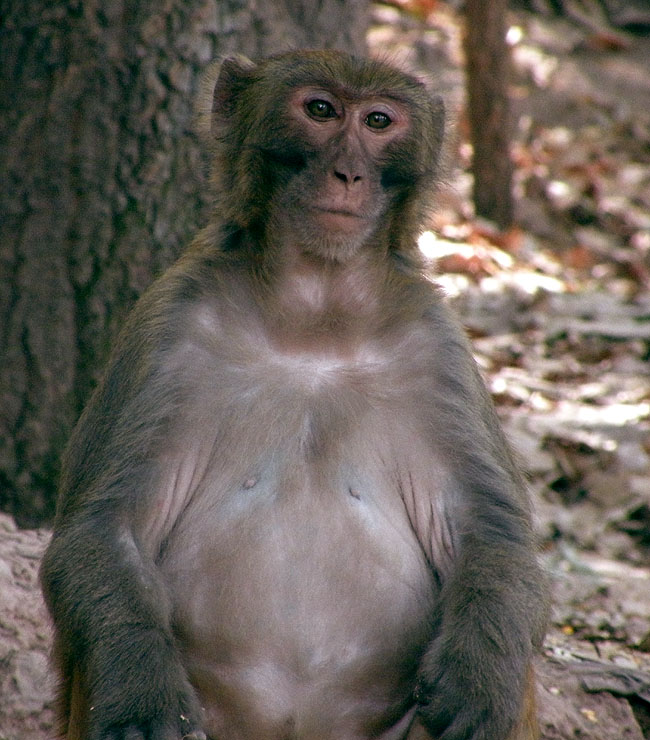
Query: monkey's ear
(219, 87)
(234, 76)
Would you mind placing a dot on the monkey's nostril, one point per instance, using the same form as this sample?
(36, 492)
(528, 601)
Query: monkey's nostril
(346, 178)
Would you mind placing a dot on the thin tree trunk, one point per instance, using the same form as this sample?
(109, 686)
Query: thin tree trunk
(488, 70)
(103, 184)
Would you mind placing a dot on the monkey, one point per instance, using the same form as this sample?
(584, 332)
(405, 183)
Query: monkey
(288, 511)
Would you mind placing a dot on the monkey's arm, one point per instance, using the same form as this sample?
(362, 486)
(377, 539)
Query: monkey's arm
(473, 677)
(122, 676)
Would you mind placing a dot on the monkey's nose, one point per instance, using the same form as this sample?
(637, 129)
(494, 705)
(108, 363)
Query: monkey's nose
(347, 177)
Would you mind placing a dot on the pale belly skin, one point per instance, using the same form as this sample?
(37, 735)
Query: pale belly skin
(304, 568)
(318, 605)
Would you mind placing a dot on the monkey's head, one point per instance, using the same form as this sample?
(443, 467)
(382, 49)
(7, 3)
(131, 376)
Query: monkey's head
(325, 149)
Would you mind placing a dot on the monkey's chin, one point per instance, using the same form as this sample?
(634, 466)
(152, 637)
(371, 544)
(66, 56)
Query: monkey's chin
(329, 234)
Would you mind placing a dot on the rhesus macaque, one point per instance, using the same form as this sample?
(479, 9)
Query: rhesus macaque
(288, 512)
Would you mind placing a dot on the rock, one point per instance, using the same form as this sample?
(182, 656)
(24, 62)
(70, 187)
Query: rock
(26, 681)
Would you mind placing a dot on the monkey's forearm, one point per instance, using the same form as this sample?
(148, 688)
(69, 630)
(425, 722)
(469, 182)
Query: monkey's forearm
(95, 581)
(474, 677)
(108, 602)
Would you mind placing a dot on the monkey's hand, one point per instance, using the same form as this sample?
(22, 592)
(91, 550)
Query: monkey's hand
(469, 689)
(154, 730)
(171, 725)
(143, 700)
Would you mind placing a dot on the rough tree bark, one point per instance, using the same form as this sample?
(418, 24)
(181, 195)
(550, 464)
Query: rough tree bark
(488, 71)
(103, 184)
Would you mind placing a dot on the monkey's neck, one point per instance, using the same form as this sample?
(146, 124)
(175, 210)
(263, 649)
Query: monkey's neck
(314, 299)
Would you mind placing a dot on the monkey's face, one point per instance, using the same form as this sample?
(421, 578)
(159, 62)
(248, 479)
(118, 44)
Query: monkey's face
(325, 152)
(330, 194)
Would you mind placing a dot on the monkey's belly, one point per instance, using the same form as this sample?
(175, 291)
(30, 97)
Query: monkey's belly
(304, 611)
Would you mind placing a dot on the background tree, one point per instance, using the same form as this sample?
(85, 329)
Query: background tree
(488, 73)
(104, 183)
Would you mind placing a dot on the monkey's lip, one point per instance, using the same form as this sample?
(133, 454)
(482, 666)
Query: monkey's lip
(338, 216)
(338, 211)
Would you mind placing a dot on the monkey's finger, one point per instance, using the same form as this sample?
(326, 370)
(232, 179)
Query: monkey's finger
(473, 724)
(436, 723)
(126, 733)
(194, 735)
(133, 733)
(167, 731)
(459, 729)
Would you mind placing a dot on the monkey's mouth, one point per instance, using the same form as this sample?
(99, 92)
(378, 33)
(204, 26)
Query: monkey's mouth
(338, 211)
(339, 218)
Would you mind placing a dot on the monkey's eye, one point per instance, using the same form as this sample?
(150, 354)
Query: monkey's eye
(377, 119)
(320, 109)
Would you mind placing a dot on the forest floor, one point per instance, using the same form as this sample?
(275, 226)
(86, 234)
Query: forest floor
(558, 309)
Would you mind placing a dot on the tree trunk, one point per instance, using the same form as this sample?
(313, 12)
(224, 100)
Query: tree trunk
(103, 184)
(488, 71)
